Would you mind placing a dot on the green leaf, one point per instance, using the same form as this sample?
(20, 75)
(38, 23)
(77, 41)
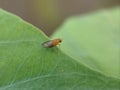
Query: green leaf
(94, 40)
(26, 65)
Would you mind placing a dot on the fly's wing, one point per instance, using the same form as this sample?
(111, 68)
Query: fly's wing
(48, 44)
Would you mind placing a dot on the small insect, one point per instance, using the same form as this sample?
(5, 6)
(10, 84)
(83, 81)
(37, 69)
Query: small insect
(51, 43)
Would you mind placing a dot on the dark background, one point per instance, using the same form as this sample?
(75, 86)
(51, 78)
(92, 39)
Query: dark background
(49, 14)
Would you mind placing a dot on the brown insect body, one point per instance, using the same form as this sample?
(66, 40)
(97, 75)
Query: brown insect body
(51, 43)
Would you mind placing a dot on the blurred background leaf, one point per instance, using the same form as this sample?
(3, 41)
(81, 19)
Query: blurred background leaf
(94, 40)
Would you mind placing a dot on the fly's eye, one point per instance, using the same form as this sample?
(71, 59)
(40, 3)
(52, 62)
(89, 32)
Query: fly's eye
(60, 41)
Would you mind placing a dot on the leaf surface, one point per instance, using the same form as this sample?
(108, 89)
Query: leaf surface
(26, 65)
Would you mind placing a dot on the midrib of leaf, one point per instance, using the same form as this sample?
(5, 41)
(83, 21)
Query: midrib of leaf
(18, 42)
(43, 76)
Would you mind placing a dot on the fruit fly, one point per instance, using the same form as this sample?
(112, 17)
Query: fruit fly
(51, 43)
